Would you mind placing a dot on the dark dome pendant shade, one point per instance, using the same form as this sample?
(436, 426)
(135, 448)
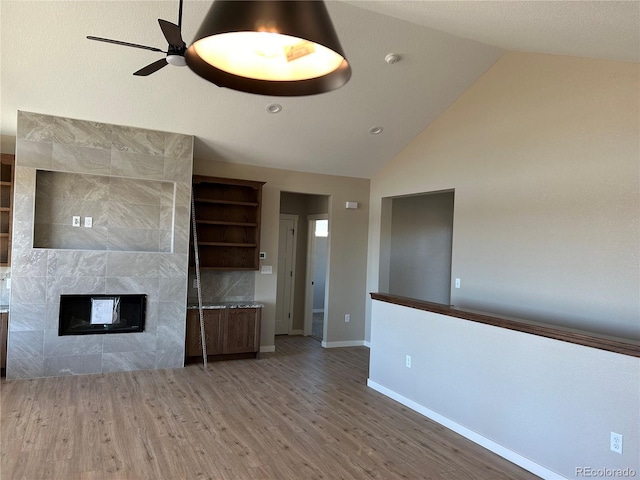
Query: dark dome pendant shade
(279, 48)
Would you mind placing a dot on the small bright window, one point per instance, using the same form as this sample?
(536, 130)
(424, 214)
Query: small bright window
(322, 228)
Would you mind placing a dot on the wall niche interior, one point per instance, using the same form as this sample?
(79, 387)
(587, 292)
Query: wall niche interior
(416, 242)
(114, 213)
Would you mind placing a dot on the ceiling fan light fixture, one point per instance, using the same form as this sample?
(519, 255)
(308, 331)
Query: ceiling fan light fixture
(281, 48)
(176, 60)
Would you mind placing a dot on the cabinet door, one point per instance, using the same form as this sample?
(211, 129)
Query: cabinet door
(242, 330)
(212, 330)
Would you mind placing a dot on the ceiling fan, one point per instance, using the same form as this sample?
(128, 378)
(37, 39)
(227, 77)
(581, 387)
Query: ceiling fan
(175, 50)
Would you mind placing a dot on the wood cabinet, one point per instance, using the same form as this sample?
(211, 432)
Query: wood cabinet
(6, 199)
(4, 326)
(241, 331)
(229, 333)
(212, 330)
(227, 223)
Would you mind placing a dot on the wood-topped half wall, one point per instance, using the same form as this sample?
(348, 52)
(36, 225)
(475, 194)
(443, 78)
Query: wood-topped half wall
(611, 344)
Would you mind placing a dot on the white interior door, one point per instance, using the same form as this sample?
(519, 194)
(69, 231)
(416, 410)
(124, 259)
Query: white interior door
(286, 273)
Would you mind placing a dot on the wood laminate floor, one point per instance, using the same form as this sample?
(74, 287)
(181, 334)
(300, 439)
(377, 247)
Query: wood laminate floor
(300, 413)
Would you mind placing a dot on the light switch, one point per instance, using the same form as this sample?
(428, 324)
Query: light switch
(75, 220)
(88, 222)
(266, 270)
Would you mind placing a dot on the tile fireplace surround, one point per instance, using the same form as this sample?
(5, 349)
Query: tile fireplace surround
(136, 186)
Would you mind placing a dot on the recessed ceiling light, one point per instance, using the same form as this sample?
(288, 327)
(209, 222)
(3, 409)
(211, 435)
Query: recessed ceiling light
(375, 130)
(274, 108)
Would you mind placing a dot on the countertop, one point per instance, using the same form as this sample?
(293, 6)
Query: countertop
(211, 306)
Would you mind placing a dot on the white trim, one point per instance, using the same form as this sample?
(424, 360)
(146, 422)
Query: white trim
(291, 280)
(347, 343)
(367, 344)
(295, 332)
(308, 291)
(490, 445)
(268, 349)
(318, 310)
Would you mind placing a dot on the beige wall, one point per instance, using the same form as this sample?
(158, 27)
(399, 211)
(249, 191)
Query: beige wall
(348, 242)
(547, 412)
(543, 154)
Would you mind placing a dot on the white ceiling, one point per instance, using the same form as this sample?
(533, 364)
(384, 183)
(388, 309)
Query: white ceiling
(48, 66)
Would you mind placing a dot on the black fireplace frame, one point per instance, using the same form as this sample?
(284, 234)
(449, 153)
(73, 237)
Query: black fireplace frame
(75, 316)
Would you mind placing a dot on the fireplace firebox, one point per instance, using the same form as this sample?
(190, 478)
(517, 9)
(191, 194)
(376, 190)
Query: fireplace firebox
(99, 314)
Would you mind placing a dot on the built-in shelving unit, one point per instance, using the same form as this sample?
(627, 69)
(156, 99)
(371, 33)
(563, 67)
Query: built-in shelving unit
(227, 223)
(7, 163)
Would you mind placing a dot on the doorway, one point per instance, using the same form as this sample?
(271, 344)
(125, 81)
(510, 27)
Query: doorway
(300, 205)
(317, 262)
(286, 273)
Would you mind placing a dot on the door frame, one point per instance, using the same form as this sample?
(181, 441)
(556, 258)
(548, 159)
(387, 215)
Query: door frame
(292, 280)
(308, 290)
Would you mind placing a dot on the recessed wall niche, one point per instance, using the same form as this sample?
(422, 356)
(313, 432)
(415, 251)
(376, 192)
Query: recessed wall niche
(112, 213)
(415, 246)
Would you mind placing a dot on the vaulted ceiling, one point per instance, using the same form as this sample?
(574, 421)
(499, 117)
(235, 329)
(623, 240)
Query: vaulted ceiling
(48, 66)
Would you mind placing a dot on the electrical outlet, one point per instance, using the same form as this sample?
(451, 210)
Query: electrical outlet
(457, 283)
(616, 442)
(407, 361)
(75, 220)
(347, 318)
(88, 222)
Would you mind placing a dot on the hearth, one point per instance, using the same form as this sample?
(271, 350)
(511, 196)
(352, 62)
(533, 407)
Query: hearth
(100, 314)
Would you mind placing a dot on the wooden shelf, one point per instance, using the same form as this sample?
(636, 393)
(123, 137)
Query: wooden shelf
(226, 202)
(7, 163)
(227, 244)
(216, 222)
(227, 215)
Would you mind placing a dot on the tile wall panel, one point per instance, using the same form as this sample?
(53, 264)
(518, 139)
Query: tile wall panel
(136, 185)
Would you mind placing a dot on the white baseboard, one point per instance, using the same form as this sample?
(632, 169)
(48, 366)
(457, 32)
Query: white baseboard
(268, 349)
(295, 332)
(347, 343)
(367, 344)
(496, 448)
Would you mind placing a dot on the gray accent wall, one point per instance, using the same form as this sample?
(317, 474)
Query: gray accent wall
(420, 246)
(128, 179)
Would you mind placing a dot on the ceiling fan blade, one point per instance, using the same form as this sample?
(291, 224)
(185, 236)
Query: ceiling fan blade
(151, 68)
(172, 33)
(125, 44)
